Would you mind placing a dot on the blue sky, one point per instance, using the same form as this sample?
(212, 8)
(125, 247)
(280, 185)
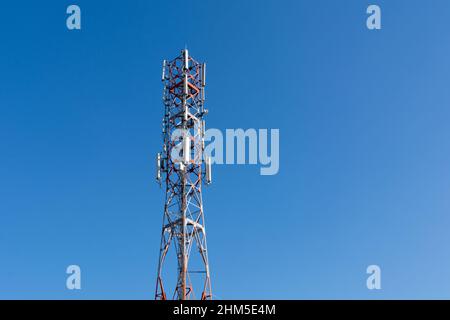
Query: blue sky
(364, 154)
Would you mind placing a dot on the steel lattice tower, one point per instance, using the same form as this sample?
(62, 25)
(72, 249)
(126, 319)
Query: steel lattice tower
(184, 168)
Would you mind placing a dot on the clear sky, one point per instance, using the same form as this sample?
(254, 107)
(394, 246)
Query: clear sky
(364, 146)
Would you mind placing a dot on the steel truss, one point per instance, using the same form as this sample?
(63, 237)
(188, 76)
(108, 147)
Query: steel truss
(183, 226)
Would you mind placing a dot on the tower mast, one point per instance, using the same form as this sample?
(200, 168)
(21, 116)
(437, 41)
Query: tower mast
(184, 168)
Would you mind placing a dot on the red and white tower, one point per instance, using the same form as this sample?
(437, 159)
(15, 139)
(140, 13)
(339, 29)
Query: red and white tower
(184, 168)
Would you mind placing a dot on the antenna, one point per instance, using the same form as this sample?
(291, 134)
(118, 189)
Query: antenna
(163, 77)
(208, 170)
(204, 75)
(158, 168)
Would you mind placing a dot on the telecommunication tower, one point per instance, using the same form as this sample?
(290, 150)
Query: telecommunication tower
(184, 168)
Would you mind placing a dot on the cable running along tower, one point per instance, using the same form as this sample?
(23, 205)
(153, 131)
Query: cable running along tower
(184, 168)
